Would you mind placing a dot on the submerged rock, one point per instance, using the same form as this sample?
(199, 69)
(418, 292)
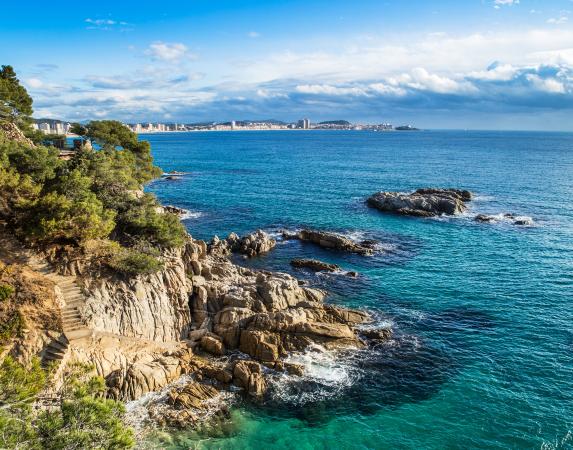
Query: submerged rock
(422, 203)
(315, 265)
(330, 240)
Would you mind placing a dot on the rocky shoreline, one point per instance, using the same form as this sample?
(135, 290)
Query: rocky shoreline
(215, 326)
(222, 327)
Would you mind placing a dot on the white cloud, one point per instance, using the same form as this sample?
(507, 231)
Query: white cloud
(253, 34)
(499, 3)
(549, 85)
(558, 20)
(171, 52)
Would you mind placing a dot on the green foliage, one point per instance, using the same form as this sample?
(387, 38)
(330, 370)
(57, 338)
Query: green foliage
(11, 327)
(5, 291)
(70, 213)
(135, 262)
(82, 419)
(96, 195)
(39, 163)
(110, 134)
(15, 103)
(143, 220)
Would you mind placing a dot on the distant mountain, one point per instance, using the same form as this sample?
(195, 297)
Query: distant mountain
(50, 121)
(336, 122)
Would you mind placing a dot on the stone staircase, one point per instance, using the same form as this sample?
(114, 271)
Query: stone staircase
(72, 324)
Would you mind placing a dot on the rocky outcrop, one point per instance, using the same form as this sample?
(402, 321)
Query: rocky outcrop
(153, 307)
(512, 218)
(334, 241)
(251, 245)
(314, 264)
(13, 133)
(267, 315)
(189, 405)
(422, 203)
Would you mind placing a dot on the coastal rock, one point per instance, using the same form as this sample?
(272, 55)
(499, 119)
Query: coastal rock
(377, 335)
(249, 376)
(212, 345)
(189, 405)
(251, 245)
(174, 210)
(508, 217)
(422, 203)
(329, 240)
(314, 264)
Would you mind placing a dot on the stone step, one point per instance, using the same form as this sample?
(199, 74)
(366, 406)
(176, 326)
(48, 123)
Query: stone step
(72, 315)
(74, 297)
(69, 290)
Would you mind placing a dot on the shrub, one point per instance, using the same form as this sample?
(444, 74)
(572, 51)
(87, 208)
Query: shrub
(11, 327)
(5, 291)
(135, 262)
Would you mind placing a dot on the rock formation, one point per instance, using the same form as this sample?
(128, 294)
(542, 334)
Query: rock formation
(422, 203)
(335, 241)
(314, 264)
(251, 245)
(515, 220)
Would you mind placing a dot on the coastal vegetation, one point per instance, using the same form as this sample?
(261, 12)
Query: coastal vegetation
(80, 416)
(92, 203)
(96, 195)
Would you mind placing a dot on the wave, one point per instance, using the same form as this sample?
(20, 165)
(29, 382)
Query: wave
(326, 374)
(191, 214)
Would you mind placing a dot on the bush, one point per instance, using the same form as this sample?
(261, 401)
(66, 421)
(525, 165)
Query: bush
(83, 418)
(5, 291)
(135, 262)
(11, 327)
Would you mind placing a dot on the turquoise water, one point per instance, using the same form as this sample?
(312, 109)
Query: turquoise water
(482, 313)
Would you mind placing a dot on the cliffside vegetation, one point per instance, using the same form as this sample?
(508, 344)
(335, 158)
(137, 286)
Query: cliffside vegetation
(78, 416)
(92, 204)
(96, 195)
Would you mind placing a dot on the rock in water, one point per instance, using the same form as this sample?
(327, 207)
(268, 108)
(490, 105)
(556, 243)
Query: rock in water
(314, 264)
(251, 245)
(335, 241)
(422, 203)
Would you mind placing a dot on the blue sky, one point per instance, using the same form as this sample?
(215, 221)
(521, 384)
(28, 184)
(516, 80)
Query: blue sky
(495, 64)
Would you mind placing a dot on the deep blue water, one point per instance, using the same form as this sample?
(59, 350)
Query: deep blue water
(482, 314)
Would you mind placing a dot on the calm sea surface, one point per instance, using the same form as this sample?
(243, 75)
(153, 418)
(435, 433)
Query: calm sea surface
(482, 314)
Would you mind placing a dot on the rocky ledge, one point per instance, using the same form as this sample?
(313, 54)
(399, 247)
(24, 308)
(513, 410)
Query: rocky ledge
(422, 203)
(334, 241)
(318, 266)
(314, 264)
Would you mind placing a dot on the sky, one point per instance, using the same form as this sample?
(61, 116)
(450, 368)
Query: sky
(475, 64)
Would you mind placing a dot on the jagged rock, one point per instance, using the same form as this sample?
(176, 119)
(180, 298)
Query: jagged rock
(380, 335)
(294, 369)
(251, 245)
(315, 265)
(330, 240)
(484, 218)
(189, 406)
(516, 220)
(212, 345)
(174, 210)
(249, 375)
(422, 203)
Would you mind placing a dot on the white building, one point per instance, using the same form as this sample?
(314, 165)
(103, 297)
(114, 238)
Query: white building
(45, 127)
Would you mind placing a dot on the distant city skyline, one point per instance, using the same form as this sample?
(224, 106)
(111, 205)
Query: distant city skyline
(481, 64)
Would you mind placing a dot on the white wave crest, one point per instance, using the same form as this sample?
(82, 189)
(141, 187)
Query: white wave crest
(327, 372)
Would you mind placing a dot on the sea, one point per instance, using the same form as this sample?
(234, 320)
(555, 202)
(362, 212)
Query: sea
(481, 313)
